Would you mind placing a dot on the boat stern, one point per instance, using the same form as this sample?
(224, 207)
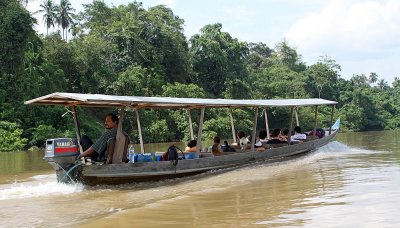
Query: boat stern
(61, 154)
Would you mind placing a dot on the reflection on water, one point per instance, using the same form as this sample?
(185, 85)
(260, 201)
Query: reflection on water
(354, 184)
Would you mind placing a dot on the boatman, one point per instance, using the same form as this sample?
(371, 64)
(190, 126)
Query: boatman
(97, 151)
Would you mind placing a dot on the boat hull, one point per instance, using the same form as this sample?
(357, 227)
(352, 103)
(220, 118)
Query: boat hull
(153, 171)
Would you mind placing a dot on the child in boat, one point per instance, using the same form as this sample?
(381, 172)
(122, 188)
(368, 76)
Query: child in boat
(216, 148)
(191, 146)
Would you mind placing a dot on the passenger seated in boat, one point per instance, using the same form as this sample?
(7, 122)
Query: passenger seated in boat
(216, 148)
(191, 146)
(298, 135)
(262, 135)
(262, 140)
(226, 148)
(285, 136)
(276, 137)
(242, 140)
(98, 151)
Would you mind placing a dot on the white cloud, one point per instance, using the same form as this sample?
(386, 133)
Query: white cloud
(351, 31)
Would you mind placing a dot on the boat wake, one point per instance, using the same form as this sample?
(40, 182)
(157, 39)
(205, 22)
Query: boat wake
(39, 186)
(265, 170)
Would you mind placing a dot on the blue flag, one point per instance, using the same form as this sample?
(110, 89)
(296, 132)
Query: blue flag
(336, 125)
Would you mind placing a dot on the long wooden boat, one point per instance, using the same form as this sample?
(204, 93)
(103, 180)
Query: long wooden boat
(68, 169)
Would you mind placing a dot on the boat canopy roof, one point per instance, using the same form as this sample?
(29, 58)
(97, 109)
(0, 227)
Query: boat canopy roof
(101, 100)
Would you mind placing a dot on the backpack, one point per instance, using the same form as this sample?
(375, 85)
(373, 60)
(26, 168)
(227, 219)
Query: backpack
(171, 155)
(320, 133)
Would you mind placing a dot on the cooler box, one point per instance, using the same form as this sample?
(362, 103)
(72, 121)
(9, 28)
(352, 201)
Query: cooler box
(148, 157)
(61, 147)
(190, 156)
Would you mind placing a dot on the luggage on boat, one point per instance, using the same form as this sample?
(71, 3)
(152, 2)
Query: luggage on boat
(171, 154)
(320, 133)
(148, 157)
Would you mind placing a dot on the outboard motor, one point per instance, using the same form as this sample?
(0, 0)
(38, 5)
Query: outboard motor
(61, 153)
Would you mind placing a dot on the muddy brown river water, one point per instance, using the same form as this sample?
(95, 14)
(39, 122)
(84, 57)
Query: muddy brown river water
(352, 182)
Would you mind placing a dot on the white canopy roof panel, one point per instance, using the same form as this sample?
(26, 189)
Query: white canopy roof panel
(101, 100)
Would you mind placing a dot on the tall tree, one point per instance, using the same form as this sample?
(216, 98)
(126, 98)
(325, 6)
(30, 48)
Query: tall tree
(396, 83)
(288, 56)
(323, 77)
(163, 31)
(359, 81)
(49, 10)
(373, 77)
(217, 58)
(65, 16)
(258, 56)
(382, 84)
(16, 36)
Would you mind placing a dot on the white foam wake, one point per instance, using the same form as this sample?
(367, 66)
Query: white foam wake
(29, 190)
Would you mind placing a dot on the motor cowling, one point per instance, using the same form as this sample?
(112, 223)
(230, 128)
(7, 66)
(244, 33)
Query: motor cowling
(61, 147)
(61, 153)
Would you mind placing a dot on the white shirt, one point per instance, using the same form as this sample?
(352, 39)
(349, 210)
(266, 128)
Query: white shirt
(259, 143)
(243, 143)
(298, 136)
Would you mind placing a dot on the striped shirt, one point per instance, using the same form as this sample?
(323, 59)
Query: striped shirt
(100, 146)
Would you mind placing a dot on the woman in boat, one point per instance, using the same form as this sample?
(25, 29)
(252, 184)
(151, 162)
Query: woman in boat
(191, 146)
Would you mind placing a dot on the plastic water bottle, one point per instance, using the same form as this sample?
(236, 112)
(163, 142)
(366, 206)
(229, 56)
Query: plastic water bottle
(131, 154)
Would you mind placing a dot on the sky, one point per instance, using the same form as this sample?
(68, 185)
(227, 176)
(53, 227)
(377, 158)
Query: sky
(362, 36)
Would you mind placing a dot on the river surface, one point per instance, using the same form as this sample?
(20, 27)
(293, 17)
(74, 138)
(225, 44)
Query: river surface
(352, 182)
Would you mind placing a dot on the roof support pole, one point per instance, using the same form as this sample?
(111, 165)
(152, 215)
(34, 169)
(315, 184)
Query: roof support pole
(330, 126)
(266, 121)
(120, 140)
(200, 130)
(77, 128)
(232, 126)
(296, 109)
(291, 125)
(190, 124)
(253, 137)
(315, 122)
(140, 131)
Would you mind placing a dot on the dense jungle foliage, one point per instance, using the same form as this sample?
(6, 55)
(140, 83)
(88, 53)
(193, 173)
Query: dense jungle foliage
(129, 50)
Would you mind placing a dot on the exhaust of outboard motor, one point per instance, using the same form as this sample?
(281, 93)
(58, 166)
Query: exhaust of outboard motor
(61, 153)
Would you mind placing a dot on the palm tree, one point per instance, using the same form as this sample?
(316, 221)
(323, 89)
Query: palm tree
(396, 83)
(65, 16)
(50, 13)
(359, 80)
(383, 84)
(373, 77)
